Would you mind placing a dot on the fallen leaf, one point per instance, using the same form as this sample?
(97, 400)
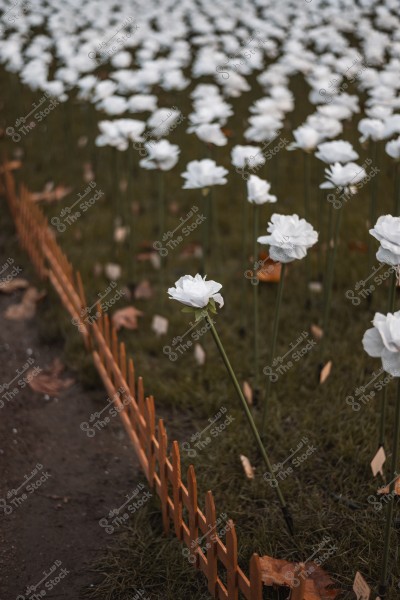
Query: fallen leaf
(192, 250)
(159, 325)
(248, 469)
(173, 207)
(270, 272)
(112, 271)
(123, 185)
(316, 332)
(248, 392)
(126, 317)
(357, 246)
(7, 287)
(135, 206)
(386, 488)
(315, 286)
(199, 354)
(82, 141)
(48, 381)
(51, 195)
(277, 572)
(26, 309)
(325, 372)
(121, 233)
(143, 291)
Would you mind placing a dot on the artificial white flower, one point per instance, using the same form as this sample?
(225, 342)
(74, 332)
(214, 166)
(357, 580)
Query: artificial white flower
(393, 148)
(338, 151)
(344, 176)
(196, 291)
(371, 128)
(289, 237)
(258, 191)
(242, 156)
(203, 173)
(160, 155)
(383, 341)
(210, 133)
(306, 138)
(387, 232)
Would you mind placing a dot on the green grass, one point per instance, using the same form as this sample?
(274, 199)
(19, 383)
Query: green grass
(328, 494)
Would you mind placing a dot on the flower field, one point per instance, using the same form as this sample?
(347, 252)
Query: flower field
(225, 177)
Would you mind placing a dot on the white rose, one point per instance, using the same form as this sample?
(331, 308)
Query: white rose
(196, 291)
(289, 239)
(383, 341)
(339, 151)
(160, 155)
(387, 232)
(203, 173)
(258, 191)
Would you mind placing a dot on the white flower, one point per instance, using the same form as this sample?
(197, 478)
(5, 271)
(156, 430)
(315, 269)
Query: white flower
(263, 127)
(306, 138)
(371, 128)
(162, 121)
(344, 176)
(383, 341)
(327, 127)
(160, 155)
(242, 156)
(210, 133)
(203, 173)
(196, 291)
(289, 239)
(387, 232)
(339, 151)
(393, 148)
(258, 191)
(391, 126)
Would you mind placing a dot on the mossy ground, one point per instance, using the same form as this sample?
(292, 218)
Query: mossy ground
(328, 493)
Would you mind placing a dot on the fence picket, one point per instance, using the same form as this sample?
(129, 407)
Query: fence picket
(232, 559)
(193, 514)
(177, 489)
(162, 464)
(255, 578)
(150, 451)
(212, 562)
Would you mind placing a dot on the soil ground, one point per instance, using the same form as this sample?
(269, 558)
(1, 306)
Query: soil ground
(87, 477)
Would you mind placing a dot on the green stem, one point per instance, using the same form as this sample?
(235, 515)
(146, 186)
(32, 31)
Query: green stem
(330, 273)
(273, 346)
(245, 224)
(397, 191)
(372, 205)
(161, 227)
(250, 420)
(255, 299)
(391, 303)
(389, 513)
(307, 180)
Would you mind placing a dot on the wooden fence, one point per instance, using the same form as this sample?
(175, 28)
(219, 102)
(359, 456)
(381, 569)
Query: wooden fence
(219, 561)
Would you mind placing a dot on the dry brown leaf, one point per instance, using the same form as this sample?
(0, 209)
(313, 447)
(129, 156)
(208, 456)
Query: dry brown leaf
(248, 469)
(199, 354)
(173, 207)
(315, 286)
(325, 372)
(386, 488)
(270, 271)
(26, 309)
(54, 195)
(277, 572)
(7, 287)
(143, 291)
(248, 392)
(159, 325)
(316, 332)
(126, 317)
(357, 246)
(121, 233)
(48, 381)
(192, 250)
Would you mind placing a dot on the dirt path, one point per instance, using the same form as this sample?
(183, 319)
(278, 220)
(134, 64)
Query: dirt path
(53, 531)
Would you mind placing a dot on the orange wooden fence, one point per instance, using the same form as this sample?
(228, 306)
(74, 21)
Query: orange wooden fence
(137, 411)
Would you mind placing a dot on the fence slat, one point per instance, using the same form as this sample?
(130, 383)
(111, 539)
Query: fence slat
(162, 464)
(232, 560)
(212, 561)
(255, 578)
(151, 424)
(193, 514)
(298, 592)
(176, 488)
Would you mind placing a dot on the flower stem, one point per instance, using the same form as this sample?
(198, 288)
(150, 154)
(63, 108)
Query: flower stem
(255, 300)
(330, 272)
(273, 346)
(389, 513)
(245, 224)
(397, 191)
(206, 229)
(372, 205)
(161, 225)
(391, 303)
(250, 420)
